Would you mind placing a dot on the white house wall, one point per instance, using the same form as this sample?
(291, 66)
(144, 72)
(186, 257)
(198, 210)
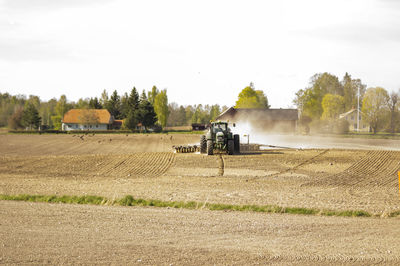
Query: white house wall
(352, 119)
(69, 127)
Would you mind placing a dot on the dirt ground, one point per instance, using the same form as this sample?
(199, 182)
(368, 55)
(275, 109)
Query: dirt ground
(144, 166)
(41, 233)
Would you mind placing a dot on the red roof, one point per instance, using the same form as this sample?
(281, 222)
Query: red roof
(74, 116)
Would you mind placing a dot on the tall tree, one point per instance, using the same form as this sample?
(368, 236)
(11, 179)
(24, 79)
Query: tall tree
(326, 83)
(333, 106)
(152, 94)
(374, 107)
(114, 105)
(161, 107)
(393, 106)
(132, 116)
(309, 100)
(133, 100)
(146, 113)
(94, 103)
(35, 100)
(197, 114)
(173, 116)
(181, 116)
(104, 98)
(30, 116)
(62, 106)
(251, 98)
(124, 105)
(350, 91)
(50, 111)
(215, 111)
(189, 110)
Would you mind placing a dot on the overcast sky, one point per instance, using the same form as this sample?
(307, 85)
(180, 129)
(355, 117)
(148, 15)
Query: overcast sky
(200, 51)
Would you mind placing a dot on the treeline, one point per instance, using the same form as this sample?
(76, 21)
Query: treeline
(189, 114)
(321, 103)
(150, 109)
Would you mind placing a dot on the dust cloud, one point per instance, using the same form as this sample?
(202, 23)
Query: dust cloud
(278, 136)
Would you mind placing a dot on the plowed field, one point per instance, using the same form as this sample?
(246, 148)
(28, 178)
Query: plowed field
(145, 166)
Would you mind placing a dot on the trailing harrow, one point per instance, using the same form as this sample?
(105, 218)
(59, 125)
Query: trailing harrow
(186, 148)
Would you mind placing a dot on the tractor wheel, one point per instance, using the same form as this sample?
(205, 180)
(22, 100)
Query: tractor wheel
(231, 147)
(210, 148)
(203, 144)
(236, 142)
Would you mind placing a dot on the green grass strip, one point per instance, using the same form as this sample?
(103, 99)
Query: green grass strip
(131, 201)
(94, 200)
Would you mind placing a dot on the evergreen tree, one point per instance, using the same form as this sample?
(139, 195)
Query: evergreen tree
(30, 116)
(146, 113)
(124, 105)
(132, 111)
(94, 103)
(133, 100)
(114, 105)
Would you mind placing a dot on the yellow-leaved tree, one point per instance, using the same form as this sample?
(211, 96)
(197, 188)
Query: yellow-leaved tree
(333, 106)
(251, 98)
(374, 108)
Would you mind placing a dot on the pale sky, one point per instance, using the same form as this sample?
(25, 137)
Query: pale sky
(200, 51)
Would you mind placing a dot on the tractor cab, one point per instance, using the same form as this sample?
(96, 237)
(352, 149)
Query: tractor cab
(219, 127)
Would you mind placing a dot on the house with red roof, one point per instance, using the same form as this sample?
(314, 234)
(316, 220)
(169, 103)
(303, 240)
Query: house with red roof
(87, 119)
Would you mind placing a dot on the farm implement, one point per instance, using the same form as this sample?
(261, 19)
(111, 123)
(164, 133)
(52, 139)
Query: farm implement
(186, 148)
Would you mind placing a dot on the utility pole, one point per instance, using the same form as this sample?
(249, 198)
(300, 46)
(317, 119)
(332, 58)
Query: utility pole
(358, 110)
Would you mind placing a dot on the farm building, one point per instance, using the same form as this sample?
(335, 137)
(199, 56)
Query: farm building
(87, 119)
(198, 127)
(351, 117)
(272, 120)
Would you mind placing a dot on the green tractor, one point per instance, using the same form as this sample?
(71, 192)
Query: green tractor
(220, 138)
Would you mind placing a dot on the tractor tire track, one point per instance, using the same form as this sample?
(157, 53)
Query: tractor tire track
(291, 169)
(376, 169)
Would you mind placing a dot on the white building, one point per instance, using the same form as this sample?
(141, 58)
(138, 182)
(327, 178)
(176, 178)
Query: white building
(87, 119)
(351, 117)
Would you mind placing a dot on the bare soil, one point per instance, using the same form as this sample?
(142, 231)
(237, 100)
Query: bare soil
(40, 233)
(145, 166)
